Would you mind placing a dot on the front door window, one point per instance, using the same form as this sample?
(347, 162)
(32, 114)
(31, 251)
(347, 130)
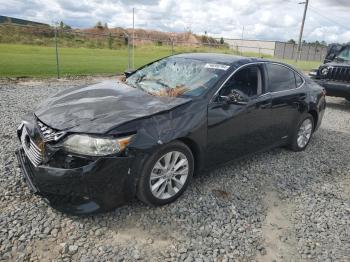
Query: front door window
(247, 81)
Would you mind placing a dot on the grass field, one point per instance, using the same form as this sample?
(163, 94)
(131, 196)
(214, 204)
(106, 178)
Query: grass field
(40, 61)
(302, 65)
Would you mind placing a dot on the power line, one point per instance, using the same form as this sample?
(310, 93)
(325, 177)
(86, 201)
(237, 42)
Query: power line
(319, 12)
(313, 9)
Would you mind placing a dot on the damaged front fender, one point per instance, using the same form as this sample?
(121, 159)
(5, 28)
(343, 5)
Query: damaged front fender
(187, 121)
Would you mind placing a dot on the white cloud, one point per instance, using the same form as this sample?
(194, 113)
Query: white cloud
(262, 19)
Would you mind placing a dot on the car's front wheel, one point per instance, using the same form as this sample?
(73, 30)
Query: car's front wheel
(302, 134)
(166, 174)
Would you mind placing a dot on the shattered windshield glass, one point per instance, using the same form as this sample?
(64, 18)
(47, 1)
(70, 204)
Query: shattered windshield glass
(345, 54)
(176, 76)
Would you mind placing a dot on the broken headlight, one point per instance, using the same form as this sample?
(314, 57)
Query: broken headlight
(95, 146)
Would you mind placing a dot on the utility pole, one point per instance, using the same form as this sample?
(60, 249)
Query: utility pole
(56, 49)
(133, 38)
(306, 3)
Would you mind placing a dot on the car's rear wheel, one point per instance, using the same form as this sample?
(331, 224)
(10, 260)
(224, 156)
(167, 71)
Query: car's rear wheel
(303, 133)
(166, 174)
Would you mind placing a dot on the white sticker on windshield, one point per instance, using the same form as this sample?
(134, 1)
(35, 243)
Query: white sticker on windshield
(217, 66)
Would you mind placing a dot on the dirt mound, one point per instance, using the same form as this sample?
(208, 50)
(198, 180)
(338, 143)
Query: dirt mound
(143, 36)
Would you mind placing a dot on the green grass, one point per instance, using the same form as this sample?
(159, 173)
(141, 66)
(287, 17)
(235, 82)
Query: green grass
(40, 61)
(302, 65)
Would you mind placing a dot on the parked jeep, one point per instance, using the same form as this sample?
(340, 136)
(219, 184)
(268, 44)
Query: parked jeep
(334, 74)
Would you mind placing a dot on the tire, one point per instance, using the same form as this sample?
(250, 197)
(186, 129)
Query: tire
(348, 98)
(156, 170)
(298, 146)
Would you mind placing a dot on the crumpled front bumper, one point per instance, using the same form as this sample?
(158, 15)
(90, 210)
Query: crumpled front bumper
(101, 185)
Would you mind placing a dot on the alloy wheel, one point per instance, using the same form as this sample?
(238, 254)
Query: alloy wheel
(169, 175)
(304, 133)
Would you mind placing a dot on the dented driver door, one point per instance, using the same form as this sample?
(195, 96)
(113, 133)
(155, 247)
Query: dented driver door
(237, 130)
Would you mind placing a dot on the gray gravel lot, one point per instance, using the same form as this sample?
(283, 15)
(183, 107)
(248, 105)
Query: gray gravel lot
(278, 205)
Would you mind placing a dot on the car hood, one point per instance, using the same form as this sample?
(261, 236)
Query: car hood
(338, 64)
(101, 107)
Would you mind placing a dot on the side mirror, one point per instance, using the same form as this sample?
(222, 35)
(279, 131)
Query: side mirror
(129, 72)
(236, 97)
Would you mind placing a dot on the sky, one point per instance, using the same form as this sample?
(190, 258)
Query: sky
(262, 19)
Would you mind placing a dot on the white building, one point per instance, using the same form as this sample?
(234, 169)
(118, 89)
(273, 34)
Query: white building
(252, 46)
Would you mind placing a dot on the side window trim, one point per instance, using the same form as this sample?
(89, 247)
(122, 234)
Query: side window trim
(264, 72)
(290, 68)
(303, 80)
(265, 80)
(259, 88)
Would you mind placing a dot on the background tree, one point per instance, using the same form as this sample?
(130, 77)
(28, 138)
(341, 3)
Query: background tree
(222, 41)
(99, 25)
(64, 26)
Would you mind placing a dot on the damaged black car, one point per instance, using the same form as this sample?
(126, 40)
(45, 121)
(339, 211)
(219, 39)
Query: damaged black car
(90, 149)
(334, 74)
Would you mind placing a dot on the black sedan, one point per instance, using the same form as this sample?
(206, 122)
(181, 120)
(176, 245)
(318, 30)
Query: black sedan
(90, 149)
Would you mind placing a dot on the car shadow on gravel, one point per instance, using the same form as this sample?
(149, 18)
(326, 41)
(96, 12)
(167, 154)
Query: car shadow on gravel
(229, 210)
(344, 106)
(228, 205)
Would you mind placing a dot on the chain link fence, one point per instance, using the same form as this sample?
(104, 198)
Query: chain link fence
(62, 51)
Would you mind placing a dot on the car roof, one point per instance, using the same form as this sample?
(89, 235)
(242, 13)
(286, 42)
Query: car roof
(221, 58)
(233, 61)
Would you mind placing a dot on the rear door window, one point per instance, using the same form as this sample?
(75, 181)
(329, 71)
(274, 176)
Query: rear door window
(280, 78)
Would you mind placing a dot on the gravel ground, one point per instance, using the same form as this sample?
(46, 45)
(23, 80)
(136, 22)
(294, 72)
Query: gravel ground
(274, 206)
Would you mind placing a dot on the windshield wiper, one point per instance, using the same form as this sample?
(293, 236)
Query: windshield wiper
(138, 80)
(136, 84)
(162, 84)
(143, 89)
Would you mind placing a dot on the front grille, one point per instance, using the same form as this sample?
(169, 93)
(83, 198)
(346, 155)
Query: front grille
(48, 133)
(32, 151)
(338, 73)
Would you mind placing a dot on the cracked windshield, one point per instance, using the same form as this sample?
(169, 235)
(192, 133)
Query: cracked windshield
(175, 76)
